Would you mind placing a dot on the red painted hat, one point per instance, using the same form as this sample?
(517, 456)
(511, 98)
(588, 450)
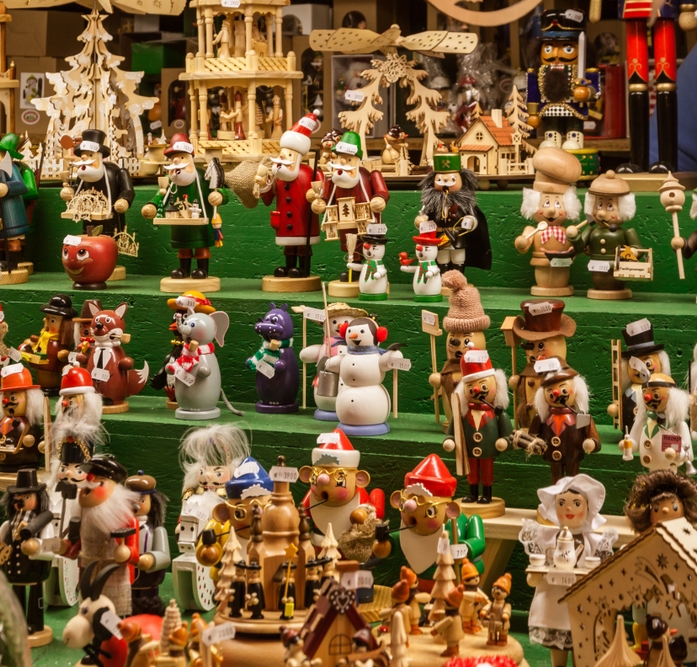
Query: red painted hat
(76, 380)
(298, 137)
(179, 143)
(335, 449)
(475, 364)
(427, 238)
(433, 475)
(15, 378)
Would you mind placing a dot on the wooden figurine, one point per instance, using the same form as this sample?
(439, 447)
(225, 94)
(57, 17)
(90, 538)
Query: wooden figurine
(449, 628)
(479, 422)
(465, 324)
(327, 154)
(189, 301)
(367, 651)
(551, 202)
(542, 329)
(363, 404)
(90, 259)
(275, 363)
(325, 384)
(105, 190)
(188, 203)
(473, 598)
(339, 202)
(296, 226)
(562, 430)
(21, 433)
(395, 145)
(498, 612)
(448, 201)
(153, 545)
(573, 504)
(4, 328)
(609, 203)
(399, 612)
(27, 549)
(560, 92)
(337, 486)
(660, 433)
(372, 282)
(47, 352)
(84, 341)
(427, 283)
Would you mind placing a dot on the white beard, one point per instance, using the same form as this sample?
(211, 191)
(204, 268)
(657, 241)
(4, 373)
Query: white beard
(90, 173)
(288, 174)
(114, 513)
(345, 179)
(182, 177)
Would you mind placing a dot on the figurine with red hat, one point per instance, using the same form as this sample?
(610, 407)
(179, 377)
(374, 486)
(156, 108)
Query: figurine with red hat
(21, 434)
(427, 282)
(337, 494)
(484, 425)
(286, 182)
(189, 206)
(498, 612)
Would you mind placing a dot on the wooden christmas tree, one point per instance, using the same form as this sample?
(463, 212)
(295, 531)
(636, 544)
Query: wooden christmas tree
(172, 621)
(443, 577)
(619, 653)
(232, 554)
(398, 642)
(362, 119)
(329, 548)
(517, 116)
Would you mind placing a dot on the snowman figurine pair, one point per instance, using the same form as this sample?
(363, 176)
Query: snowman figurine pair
(427, 281)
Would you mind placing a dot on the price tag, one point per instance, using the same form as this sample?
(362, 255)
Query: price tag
(574, 15)
(399, 364)
(376, 229)
(582, 420)
(70, 239)
(324, 438)
(12, 369)
(354, 95)
(15, 354)
(232, 4)
(459, 551)
(358, 579)
(428, 317)
(218, 633)
(314, 314)
(547, 366)
(248, 468)
(476, 356)
(468, 222)
(183, 376)
(196, 511)
(186, 302)
(565, 579)
(284, 474)
(101, 374)
(638, 327)
(266, 369)
(427, 226)
(156, 125)
(561, 262)
(2, 316)
(443, 545)
(111, 621)
(598, 266)
(541, 308)
(671, 441)
(72, 357)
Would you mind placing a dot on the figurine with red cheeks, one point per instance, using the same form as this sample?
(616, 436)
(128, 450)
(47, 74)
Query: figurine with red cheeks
(337, 487)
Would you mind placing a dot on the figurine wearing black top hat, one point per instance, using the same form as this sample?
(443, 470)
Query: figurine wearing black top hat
(372, 283)
(103, 180)
(25, 558)
(559, 93)
(254, 599)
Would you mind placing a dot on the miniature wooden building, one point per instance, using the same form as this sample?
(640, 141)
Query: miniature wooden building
(658, 570)
(346, 214)
(245, 59)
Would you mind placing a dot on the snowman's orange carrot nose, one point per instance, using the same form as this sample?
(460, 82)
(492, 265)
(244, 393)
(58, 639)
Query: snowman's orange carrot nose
(353, 336)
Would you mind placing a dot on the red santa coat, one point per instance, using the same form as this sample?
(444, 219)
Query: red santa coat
(373, 186)
(292, 208)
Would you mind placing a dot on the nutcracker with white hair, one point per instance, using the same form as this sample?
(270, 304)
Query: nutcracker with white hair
(609, 203)
(562, 430)
(483, 397)
(551, 202)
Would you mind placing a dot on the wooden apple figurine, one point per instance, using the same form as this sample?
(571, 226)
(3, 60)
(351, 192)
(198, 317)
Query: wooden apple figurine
(89, 259)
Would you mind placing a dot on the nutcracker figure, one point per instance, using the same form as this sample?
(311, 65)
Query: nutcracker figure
(449, 207)
(559, 93)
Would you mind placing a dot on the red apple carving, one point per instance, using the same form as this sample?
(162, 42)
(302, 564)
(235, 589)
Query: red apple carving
(89, 261)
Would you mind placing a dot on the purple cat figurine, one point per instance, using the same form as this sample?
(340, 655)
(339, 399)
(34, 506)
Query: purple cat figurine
(275, 363)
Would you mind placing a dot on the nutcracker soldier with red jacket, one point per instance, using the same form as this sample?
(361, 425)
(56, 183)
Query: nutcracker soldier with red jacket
(287, 182)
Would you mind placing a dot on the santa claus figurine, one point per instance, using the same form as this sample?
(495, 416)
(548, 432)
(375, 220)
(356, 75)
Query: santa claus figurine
(287, 182)
(337, 487)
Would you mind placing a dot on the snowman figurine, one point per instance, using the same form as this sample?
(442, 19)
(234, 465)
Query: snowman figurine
(363, 404)
(427, 281)
(372, 283)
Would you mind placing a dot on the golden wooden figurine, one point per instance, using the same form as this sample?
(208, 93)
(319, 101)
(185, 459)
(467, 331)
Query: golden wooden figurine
(498, 612)
(550, 203)
(449, 627)
(474, 599)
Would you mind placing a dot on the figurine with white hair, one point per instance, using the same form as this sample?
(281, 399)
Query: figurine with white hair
(551, 202)
(608, 204)
(562, 430)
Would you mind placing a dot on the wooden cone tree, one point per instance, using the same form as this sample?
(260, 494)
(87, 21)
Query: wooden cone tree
(443, 577)
(619, 653)
(329, 548)
(171, 621)
(231, 554)
(517, 116)
(398, 642)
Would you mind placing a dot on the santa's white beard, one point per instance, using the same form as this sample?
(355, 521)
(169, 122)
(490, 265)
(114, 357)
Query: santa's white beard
(91, 174)
(181, 177)
(112, 514)
(287, 174)
(83, 423)
(346, 179)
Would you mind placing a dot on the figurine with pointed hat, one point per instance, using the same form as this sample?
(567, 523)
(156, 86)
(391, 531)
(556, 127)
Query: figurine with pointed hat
(498, 612)
(465, 325)
(542, 331)
(473, 598)
(449, 208)
(427, 282)
(287, 182)
(549, 203)
(372, 281)
(337, 494)
(350, 185)
(449, 628)
(82, 336)
(189, 203)
(483, 429)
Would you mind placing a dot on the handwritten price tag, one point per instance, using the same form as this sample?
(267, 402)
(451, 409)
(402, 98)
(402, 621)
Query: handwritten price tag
(354, 95)
(325, 438)
(284, 474)
(358, 579)
(187, 302)
(399, 364)
(101, 374)
(232, 4)
(314, 314)
(443, 545)
(71, 239)
(155, 124)
(476, 356)
(638, 327)
(249, 468)
(574, 15)
(218, 633)
(561, 262)
(266, 369)
(376, 229)
(427, 226)
(111, 621)
(428, 318)
(561, 578)
(547, 366)
(2, 316)
(183, 376)
(15, 354)
(72, 357)
(598, 266)
(193, 510)
(468, 222)
(11, 370)
(541, 308)
(459, 551)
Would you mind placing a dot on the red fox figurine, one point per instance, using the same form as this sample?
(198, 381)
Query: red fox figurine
(112, 371)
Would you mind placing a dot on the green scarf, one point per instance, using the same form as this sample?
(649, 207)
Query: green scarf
(371, 267)
(265, 353)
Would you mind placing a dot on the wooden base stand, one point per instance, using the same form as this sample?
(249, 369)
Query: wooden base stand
(273, 284)
(343, 290)
(497, 507)
(41, 638)
(609, 294)
(17, 277)
(115, 409)
(267, 626)
(171, 405)
(646, 182)
(552, 291)
(181, 285)
(28, 266)
(119, 273)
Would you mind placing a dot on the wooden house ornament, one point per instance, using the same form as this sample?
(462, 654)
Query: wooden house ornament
(657, 570)
(346, 214)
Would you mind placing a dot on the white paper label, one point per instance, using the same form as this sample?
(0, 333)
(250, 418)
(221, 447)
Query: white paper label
(15, 354)
(443, 545)
(91, 146)
(71, 239)
(72, 357)
(324, 438)
(156, 125)
(111, 622)
(218, 633)
(12, 369)
(308, 123)
(196, 511)
(266, 369)
(314, 314)
(354, 95)
(547, 366)
(476, 356)
(2, 316)
(574, 15)
(101, 374)
(232, 4)
(468, 222)
(459, 551)
(284, 474)
(187, 302)
(376, 229)
(358, 579)
(428, 317)
(561, 262)
(638, 327)
(561, 578)
(598, 266)
(399, 364)
(540, 308)
(247, 468)
(427, 226)
(183, 376)
(582, 420)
